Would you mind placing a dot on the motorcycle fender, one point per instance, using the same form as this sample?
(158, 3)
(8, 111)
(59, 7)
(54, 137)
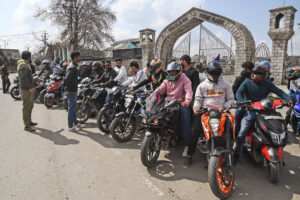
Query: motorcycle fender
(227, 155)
(148, 133)
(122, 114)
(273, 154)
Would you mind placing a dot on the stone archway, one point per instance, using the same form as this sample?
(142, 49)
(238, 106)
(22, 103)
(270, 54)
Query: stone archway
(245, 45)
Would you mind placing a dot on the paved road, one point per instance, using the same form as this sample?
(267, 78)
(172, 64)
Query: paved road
(54, 163)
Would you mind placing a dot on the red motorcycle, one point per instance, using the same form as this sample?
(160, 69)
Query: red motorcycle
(268, 136)
(54, 92)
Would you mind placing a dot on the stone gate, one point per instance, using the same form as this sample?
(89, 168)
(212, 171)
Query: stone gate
(245, 45)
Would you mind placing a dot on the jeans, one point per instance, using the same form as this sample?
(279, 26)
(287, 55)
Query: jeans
(185, 118)
(197, 131)
(246, 123)
(72, 109)
(107, 99)
(238, 117)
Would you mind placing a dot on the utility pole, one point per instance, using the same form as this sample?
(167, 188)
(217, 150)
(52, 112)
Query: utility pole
(44, 39)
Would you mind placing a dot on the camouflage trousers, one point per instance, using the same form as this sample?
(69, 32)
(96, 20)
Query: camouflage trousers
(27, 99)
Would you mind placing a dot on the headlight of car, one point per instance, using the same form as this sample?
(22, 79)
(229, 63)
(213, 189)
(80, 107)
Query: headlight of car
(214, 125)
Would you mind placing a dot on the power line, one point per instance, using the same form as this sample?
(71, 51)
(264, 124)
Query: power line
(20, 34)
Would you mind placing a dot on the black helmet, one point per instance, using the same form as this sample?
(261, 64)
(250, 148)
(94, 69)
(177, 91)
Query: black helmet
(214, 71)
(173, 66)
(261, 70)
(156, 66)
(96, 64)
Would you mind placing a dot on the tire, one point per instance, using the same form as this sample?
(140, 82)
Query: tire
(294, 124)
(117, 128)
(42, 95)
(15, 93)
(274, 172)
(104, 119)
(150, 147)
(48, 102)
(82, 116)
(221, 188)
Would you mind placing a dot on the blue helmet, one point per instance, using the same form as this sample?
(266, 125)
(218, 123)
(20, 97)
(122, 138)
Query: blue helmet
(265, 64)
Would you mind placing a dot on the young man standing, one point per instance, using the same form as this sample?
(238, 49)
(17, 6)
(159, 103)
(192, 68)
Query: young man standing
(5, 79)
(26, 89)
(71, 85)
(190, 72)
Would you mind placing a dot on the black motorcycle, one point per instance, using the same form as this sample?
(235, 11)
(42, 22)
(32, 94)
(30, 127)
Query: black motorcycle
(108, 112)
(160, 119)
(91, 100)
(125, 124)
(15, 90)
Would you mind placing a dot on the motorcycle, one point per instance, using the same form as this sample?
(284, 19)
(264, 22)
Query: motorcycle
(160, 119)
(266, 140)
(93, 98)
(15, 90)
(125, 124)
(108, 112)
(217, 143)
(54, 93)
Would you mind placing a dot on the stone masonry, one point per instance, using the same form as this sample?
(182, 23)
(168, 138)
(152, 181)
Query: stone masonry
(245, 45)
(147, 42)
(280, 37)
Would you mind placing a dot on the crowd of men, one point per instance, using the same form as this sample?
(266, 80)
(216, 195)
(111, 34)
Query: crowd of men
(193, 87)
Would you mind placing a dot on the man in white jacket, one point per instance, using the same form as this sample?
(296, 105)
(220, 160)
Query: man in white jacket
(137, 77)
(121, 70)
(213, 93)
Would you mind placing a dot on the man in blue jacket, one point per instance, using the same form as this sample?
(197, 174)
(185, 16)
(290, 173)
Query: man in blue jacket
(254, 89)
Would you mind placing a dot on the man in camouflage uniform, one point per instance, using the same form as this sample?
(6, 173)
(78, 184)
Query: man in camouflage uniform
(5, 79)
(26, 89)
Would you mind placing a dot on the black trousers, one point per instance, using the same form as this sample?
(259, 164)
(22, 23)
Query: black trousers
(5, 84)
(197, 131)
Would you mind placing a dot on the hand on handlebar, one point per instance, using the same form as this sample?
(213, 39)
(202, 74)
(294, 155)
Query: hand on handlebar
(185, 104)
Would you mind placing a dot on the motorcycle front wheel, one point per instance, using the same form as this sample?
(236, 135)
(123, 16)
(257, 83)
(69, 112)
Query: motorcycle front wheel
(220, 178)
(104, 119)
(42, 95)
(274, 171)
(119, 131)
(15, 93)
(48, 102)
(82, 114)
(150, 150)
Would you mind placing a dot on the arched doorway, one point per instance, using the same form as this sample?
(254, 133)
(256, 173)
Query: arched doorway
(245, 45)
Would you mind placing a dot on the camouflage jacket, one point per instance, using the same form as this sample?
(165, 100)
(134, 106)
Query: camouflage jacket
(25, 75)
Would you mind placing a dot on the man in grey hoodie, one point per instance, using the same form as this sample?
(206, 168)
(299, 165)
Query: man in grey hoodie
(213, 93)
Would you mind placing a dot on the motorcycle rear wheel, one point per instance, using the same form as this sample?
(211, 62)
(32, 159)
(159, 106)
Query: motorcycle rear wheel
(15, 93)
(149, 150)
(221, 183)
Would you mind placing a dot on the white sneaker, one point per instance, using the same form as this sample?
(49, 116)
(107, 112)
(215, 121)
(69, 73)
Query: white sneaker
(73, 128)
(79, 126)
(184, 153)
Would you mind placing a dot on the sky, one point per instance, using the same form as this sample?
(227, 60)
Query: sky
(134, 15)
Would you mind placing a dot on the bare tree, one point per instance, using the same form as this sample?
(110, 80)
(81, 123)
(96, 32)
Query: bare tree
(83, 23)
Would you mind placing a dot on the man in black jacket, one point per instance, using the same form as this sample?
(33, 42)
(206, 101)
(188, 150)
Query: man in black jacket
(245, 74)
(157, 76)
(71, 85)
(107, 79)
(190, 72)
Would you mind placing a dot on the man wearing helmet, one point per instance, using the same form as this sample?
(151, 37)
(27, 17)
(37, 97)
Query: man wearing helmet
(178, 86)
(254, 90)
(46, 71)
(157, 75)
(213, 93)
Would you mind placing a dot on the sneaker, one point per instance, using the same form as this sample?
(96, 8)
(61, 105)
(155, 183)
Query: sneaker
(73, 128)
(188, 162)
(80, 126)
(184, 153)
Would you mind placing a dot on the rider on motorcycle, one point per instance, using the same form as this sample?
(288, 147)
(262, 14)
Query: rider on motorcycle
(121, 70)
(157, 75)
(46, 71)
(97, 70)
(213, 93)
(255, 89)
(178, 86)
(137, 77)
(87, 70)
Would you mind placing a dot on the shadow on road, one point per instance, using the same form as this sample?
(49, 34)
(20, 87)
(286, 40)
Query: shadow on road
(55, 137)
(251, 180)
(106, 141)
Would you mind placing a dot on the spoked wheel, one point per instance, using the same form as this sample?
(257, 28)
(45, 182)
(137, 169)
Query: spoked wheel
(82, 114)
(122, 128)
(274, 169)
(220, 177)
(104, 119)
(48, 102)
(15, 93)
(150, 150)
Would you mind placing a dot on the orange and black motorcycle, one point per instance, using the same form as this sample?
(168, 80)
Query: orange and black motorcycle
(217, 143)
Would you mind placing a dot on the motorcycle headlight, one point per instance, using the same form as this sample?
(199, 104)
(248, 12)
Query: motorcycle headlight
(278, 138)
(214, 125)
(127, 102)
